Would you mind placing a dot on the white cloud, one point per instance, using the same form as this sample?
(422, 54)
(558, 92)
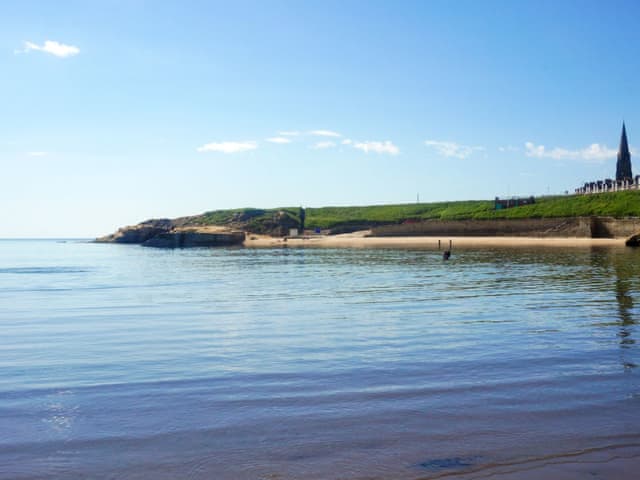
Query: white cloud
(452, 149)
(37, 154)
(228, 147)
(292, 133)
(593, 153)
(535, 151)
(50, 46)
(377, 147)
(324, 133)
(279, 140)
(508, 148)
(322, 145)
(347, 141)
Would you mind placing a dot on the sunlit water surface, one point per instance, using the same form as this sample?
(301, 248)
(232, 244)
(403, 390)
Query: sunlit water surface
(126, 362)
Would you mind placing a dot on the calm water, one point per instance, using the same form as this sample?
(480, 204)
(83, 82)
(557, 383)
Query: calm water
(126, 362)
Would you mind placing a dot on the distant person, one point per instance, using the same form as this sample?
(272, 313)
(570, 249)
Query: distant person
(446, 255)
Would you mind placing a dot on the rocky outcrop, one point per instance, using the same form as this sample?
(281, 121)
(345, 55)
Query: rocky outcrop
(165, 233)
(138, 233)
(205, 231)
(633, 241)
(194, 238)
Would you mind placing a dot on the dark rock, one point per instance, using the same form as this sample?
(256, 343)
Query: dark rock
(135, 234)
(633, 241)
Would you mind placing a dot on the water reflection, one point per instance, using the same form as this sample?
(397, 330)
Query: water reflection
(624, 275)
(291, 363)
(623, 267)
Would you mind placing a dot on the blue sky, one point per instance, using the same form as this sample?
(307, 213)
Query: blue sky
(118, 111)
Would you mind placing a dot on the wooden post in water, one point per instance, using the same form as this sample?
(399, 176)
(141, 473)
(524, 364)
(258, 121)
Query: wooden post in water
(438, 244)
(450, 244)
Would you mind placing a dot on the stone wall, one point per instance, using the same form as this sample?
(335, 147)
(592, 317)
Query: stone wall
(609, 227)
(531, 227)
(194, 239)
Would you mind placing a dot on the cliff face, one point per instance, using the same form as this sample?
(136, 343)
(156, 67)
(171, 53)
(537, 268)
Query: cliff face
(138, 233)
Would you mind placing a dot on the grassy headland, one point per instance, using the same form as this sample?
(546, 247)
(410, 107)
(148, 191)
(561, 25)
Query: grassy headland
(617, 204)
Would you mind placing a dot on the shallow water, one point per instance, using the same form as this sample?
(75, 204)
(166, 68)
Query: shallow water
(124, 362)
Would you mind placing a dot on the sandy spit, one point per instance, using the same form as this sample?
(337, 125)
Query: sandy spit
(361, 240)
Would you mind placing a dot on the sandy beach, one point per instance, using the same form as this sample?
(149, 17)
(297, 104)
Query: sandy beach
(362, 240)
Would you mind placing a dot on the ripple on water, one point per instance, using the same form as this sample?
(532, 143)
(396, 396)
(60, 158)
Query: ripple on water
(310, 363)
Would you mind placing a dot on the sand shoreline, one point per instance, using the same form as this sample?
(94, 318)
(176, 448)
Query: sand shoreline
(609, 462)
(361, 240)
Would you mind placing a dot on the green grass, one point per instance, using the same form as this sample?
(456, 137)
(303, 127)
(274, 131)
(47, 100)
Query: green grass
(615, 204)
(618, 204)
(220, 217)
(328, 217)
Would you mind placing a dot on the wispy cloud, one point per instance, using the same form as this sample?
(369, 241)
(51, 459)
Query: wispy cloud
(377, 147)
(324, 133)
(323, 145)
(508, 148)
(593, 153)
(290, 133)
(347, 141)
(452, 149)
(37, 154)
(279, 140)
(228, 147)
(51, 46)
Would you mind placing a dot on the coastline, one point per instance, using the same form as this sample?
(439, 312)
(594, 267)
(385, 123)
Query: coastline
(362, 240)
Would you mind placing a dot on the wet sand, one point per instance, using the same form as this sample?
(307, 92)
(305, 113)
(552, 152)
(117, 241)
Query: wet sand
(361, 240)
(607, 463)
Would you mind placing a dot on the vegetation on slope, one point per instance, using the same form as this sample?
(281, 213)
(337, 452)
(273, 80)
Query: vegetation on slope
(618, 204)
(613, 204)
(330, 217)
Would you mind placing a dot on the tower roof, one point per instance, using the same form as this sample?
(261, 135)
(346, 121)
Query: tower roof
(624, 145)
(623, 166)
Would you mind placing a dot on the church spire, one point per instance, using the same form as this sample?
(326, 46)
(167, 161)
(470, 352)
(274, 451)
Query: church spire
(623, 167)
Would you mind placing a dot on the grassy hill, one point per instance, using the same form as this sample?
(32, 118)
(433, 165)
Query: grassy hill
(618, 204)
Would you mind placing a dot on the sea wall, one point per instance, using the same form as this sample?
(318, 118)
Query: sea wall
(194, 239)
(580, 227)
(609, 227)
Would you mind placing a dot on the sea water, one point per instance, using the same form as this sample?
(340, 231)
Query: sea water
(119, 361)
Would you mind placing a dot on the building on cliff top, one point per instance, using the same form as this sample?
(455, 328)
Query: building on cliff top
(624, 178)
(502, 203)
